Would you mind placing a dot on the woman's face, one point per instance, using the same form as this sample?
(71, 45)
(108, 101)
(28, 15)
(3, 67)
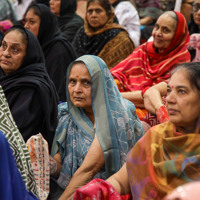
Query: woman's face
(32, 22)
(196, 12)
(79, 87)
(12, 52)
(182, 101)
(163, 32)
(96, 15)
(186, 9)
(55, 6)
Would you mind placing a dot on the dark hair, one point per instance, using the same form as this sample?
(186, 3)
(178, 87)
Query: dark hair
(20, 29)
(104, 4)
(193, 73)
(76, 62)
(35, 9)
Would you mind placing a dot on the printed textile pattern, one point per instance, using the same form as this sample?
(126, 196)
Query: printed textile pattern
(162, 160)
(39, 153)
(17, 144)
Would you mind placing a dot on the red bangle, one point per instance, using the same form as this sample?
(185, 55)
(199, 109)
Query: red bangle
(144, 90)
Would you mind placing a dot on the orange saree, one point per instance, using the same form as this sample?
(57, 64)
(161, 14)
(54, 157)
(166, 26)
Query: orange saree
(162, 160)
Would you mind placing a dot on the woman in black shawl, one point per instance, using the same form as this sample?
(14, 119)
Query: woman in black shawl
(69, 21)
(30, 93)
(58, 51)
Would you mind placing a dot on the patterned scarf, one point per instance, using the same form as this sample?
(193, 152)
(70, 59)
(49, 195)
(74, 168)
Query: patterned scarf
(163, 160)
(17, 144)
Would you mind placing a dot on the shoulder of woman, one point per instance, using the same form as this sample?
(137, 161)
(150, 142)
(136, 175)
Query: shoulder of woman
(63, 109)
(130, 105)
(59, 47)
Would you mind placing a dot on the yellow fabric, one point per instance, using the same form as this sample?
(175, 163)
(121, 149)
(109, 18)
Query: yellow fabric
(162, 160)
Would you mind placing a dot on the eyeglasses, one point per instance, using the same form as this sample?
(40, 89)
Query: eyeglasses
(196, 7)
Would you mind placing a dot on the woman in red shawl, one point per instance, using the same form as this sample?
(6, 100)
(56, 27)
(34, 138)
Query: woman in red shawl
(150, 64)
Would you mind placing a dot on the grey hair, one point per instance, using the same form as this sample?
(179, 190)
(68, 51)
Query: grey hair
(173, 15)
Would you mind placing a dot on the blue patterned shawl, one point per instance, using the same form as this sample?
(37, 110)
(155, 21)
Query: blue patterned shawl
(117, 125)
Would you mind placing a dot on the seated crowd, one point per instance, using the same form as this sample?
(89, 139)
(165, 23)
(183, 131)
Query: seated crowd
(104, 106)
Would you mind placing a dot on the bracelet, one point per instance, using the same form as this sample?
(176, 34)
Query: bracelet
(157, 108)
(162, 114)
(144, 90)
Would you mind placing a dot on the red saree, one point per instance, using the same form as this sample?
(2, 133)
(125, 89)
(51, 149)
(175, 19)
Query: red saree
(98, 189)
(144, 67)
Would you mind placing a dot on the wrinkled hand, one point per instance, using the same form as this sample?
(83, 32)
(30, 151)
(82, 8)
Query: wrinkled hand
(52, 165)
(152, 100)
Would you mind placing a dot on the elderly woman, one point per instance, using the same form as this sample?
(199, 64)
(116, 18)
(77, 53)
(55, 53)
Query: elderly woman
(30, 93)
(97, 127)
(167, 156)
(58, 51)
(151, 63)
(101, 36)
(69, 22)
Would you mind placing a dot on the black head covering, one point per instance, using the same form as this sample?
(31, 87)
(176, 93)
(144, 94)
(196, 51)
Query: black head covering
(69, 22)
(46, 2)
(31, 94)
(58, 51)
(49, 28)
(68, 7)
(67, 11)
(32, 55)
(192, 26)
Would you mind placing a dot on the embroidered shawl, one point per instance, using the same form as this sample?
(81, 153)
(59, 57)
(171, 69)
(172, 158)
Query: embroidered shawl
(162, 160)
(144, 67)
(111, 42)
(117, 125)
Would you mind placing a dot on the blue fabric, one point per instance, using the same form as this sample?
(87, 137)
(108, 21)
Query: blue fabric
(117, 125)
(12, 186)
